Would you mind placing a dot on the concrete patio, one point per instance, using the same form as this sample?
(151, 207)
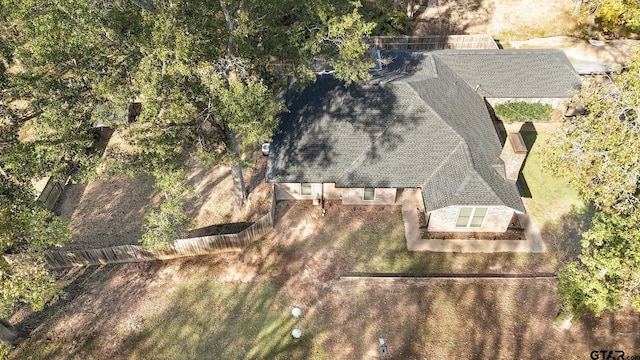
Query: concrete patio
(411, 202)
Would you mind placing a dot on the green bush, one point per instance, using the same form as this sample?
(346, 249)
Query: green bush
(511, 112)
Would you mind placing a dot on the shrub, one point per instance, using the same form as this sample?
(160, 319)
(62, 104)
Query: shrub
(511, 112)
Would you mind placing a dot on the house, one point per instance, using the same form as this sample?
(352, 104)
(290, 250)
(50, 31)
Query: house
(420, 124)
(543, 76)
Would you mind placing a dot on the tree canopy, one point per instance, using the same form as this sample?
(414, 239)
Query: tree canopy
(600, 152)
(26, 229)
(605, 276)
(208, 73)
(613, 14)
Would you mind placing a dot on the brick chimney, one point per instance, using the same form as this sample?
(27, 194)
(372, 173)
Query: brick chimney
(513, 155)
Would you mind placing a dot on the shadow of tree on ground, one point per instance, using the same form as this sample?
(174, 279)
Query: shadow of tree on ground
(565, 235)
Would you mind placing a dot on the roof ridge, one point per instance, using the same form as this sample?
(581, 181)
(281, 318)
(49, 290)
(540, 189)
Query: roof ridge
(479, 175)
(362, 157)
(444, 161)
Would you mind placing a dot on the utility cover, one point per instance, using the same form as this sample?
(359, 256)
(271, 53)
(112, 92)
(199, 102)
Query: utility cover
(296, 333)
(383, 350)
(296, 312)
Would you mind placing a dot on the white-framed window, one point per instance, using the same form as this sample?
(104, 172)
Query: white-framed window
(305, 189)
(471, 217)
(369, 194)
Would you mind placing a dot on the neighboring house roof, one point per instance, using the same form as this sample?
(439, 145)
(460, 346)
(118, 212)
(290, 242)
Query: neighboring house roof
(415, 124)
(514, 73)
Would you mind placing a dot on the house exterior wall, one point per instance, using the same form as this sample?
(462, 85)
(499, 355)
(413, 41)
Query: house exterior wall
(444, 220)
(291, 191)
(331, 192)
(349, 196)
(556, 103)
(384, 196)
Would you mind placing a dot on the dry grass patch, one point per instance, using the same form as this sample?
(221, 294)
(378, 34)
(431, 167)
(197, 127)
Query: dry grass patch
(182, 309)
(111, 212)
(503, 19)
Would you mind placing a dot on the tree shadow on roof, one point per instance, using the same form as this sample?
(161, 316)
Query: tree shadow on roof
(330, 126)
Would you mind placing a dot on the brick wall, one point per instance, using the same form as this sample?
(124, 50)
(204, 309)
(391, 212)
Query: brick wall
(291, 191)
(444, 220)
(384, 196)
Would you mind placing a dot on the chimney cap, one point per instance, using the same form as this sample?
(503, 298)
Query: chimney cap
(517, 143)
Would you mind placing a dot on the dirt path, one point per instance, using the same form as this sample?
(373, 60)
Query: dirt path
(611, 52)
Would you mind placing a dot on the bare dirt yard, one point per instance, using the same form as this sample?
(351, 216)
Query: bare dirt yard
(112, 212)
(503, 19)
(526, 24)
(238, 305)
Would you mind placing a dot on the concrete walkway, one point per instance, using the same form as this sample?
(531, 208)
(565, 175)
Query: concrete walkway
(411, 203)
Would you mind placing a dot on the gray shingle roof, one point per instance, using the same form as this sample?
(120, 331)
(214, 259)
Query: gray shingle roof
(416, 124)
(514, 73)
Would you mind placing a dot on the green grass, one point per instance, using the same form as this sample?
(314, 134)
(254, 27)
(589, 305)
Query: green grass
(551, 198)
(205, 319)
(553, 203)
(198, 319)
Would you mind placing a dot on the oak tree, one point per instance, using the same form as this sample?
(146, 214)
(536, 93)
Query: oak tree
(600, 152)
(605, 276)
(612, 14)
(26, 231)
(208, 73)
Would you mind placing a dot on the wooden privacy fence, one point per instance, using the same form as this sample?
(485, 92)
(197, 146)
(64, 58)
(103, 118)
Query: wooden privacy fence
(181, 248)
(431, 42)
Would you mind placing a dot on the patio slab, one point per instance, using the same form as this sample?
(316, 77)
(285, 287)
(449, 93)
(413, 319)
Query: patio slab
(411, 205)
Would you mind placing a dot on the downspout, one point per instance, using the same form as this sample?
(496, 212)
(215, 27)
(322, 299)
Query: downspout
(324, 211)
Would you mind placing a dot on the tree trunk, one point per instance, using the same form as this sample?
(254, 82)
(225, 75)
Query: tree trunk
(8, 334)
(236, 168)
(236, 173)
(238, 183)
